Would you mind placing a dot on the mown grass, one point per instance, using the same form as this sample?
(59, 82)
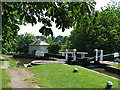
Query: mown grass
(12, 62)
(62, 76)
(1, 62)
(4, 78)
(117, 60)
(116, 65)
(53, 58)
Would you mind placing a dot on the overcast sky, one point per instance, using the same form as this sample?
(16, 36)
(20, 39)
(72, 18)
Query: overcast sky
(56, 32)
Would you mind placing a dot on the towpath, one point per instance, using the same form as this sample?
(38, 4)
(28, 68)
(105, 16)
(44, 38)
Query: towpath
(18, 76)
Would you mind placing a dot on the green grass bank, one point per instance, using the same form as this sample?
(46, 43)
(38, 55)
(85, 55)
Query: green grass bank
(4, 78)
(62, 76)
(12, 62)
(116, 65)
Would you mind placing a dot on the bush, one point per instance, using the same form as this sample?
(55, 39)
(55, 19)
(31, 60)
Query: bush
(23, 41)
(4, 51)
(117, 60)
(54, 48)
(13, 63)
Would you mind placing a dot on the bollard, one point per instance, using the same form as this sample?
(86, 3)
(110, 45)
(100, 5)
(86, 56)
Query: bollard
(109, 85)
(75, 70)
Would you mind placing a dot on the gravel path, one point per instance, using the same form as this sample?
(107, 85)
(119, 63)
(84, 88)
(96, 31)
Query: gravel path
(18, 76)
(5, 65)
(2, 58)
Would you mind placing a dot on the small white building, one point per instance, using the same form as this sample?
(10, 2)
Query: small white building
(38, 46)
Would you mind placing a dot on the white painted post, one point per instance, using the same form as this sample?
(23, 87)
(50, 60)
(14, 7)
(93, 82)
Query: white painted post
(62, 54)
(101, 55)
(74, 54)
(96, 56)
(66, 54)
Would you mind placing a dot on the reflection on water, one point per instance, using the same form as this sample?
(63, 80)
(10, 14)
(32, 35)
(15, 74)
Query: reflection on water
(102, 70)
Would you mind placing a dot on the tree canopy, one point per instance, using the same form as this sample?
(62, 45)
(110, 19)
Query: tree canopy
(103, 34)
(64, 14)
(23, 41)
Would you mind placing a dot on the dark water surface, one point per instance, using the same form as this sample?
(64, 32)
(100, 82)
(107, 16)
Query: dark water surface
(22, 61)
(102, 70)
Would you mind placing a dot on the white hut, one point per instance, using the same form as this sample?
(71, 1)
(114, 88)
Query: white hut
(38, 46)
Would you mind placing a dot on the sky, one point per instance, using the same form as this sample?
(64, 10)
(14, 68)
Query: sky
(56, 32)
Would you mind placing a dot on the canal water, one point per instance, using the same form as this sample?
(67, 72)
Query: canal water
(102, 70)
(22, 61)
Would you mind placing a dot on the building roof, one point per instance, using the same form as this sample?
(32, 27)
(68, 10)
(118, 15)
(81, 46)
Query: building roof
(39, 43)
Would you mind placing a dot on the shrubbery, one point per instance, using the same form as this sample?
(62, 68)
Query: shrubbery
(54, 47)
(117, 60)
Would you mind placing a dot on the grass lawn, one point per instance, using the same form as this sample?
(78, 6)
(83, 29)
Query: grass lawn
(1, 62)
(53, 58)
(117, 60)
(12, 62)
(62, 76)
(116, 65)
(4, 79)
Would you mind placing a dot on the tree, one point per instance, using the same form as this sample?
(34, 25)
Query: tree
(108, 30)
(21, 13)
(23, 41)
(50, 40)
(56, 39)
(42, 38)
(54, 47)
(61, 38)
(103, 34)
(56, 43)
(9, 47)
